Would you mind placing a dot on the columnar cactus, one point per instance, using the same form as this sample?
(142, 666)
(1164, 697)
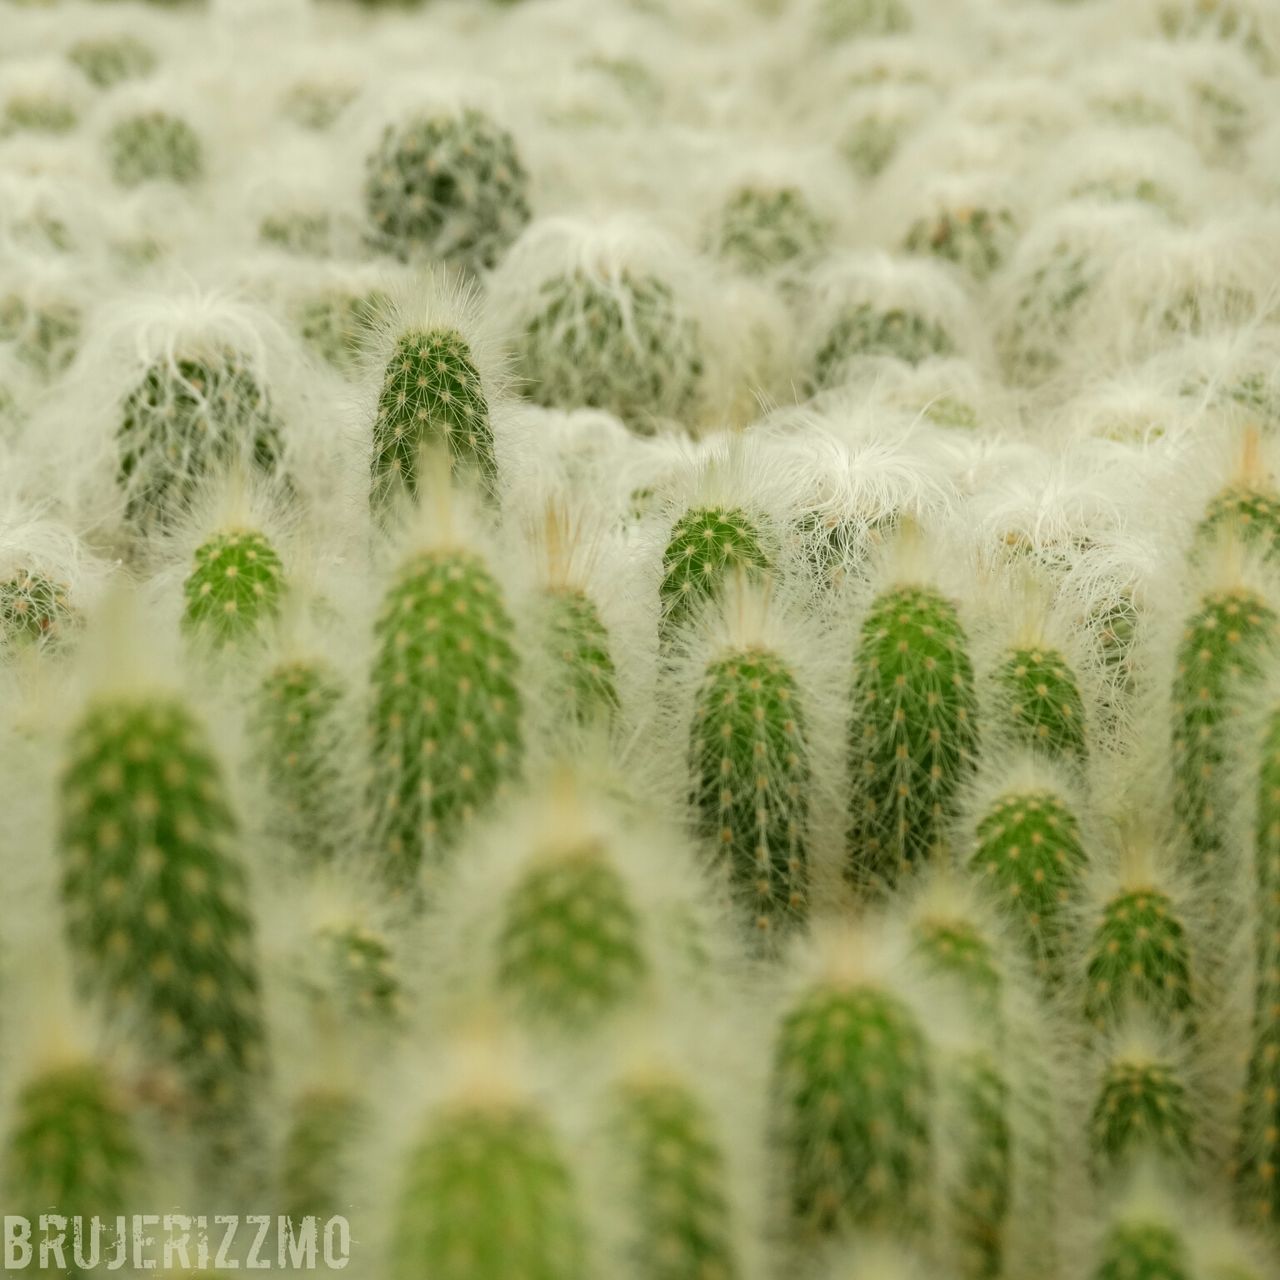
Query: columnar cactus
(1223, 649)
(359, 972)
(581, 685)
(188, 421)
(1249, 512)
(446, 716)
(71, 1150)
(486, 1195)
(914, 730)
(234, 589)
(298, 740)
(571, 948)
(1039, 703)
(449, 185)
(677, 1207)
(708, 547)
(315, 1161)
(852, 1092)
(155, 898)
(155, 147)
(1029, 855)
(431, 394)
(1137, 1249)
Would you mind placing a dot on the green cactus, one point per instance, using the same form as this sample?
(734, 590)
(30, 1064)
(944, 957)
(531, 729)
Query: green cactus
(315, 1162)
(1222, 653)
(1029, 855)
(751, 782)
(187, 422)
(156, 901)
(763, 228)
(1143, 1109)
(109, 60)
(155, 147)
(625, 344)
(955, 947)
(360, 966)
(678, 1217)
(1046, 312)
(38, 113)
(1258, 1155)
(708, 546)
(234, 589)
(914, 731)
(1039, 702)
(974, 239)
(72, 1150)
(852, 1089)
(582, 685)
(35, 612)
(866, 330)
(304, 232)
(571, 947)
(1251, 514)
(316, 106)
(431, 395)
(338, 324)
(450, 186)
(446, 714)
(845, 19)
(1138, 1250)
(1140, 957)
(488, 1195)
(44, 337)
(299, 749)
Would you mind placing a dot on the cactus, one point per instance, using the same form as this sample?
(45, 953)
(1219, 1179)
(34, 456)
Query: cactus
(450, 186)
(1029, 854)
(571, 947)
(446, 714)
(582, 686)
(845, 19)
(110, 60)
(314, 1164)
(1039, 702)
(1223, 648)
(304, 232)
(155, 147)
(865, 330)
(38, 113)
(487, 1195)
(974, 239)
(44, 337)
(914, 730)
(155, 898)
(1135, 1249)
(360, 964)
(34, 612)
(624, 343)
(431, 394)
(1250, 513)
(852, 1089)
(338, 324)
(1140, 957)
(187, 422)
(678, 1216)
(708, 546)
(298, 744)
(1143, 1109)
(751, 772)
(764, 228)
(234, 588)
(71, 1150)
(1258, 1155)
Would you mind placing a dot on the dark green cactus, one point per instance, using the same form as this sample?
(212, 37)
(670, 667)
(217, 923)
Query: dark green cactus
(707, 548)
(1029, 855)
(571, 947)
(109, 60)
(1138, 1250)
(678, 1218)
(914, 731)
(764, 228)
(1222, 653)
(155, 147)
(852, 1090)
(488, 1195)
(1140, 957)
(582, 683)
(625, 344)
(446, 714)
(156, 902)
(315, 1164)
(34, 612)
(751, 775)
(431, 395)
(865, 330)
(1039, 702)
(71, 1150)
(1143, 1109)
(187, 422)
(449, 186)
(234, 589)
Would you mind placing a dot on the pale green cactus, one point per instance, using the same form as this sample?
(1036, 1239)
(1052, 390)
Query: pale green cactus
(155, 147)
(234, 589)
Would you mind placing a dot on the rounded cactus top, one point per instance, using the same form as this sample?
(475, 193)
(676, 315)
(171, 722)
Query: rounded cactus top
(1041, 700)
(155, 146)
(707, 545)
(762, 228)
(34, 610)
(236, 585)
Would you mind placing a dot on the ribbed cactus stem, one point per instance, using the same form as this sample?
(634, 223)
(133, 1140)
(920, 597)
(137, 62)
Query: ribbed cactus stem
(1040, 703)
(708, 547)
(315, 1163)
(1143, 1111)
(234, 589)
(1140, 1250)
(582, 684)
